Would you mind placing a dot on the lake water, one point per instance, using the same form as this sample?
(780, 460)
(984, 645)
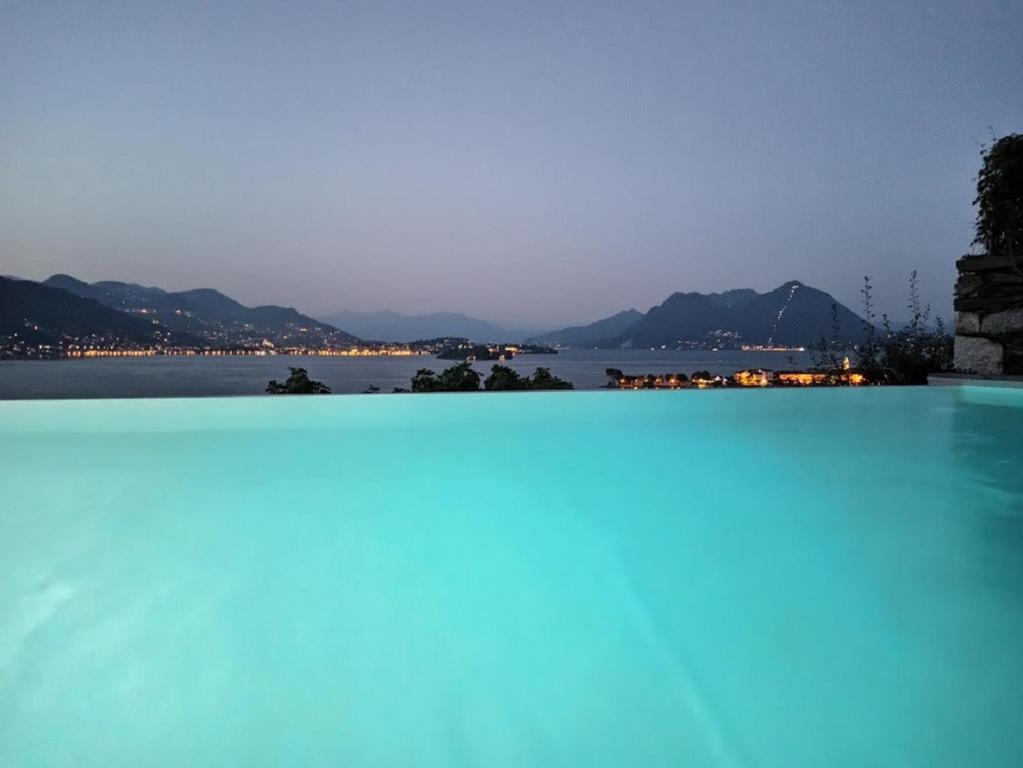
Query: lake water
(202, 376)
(738, 579)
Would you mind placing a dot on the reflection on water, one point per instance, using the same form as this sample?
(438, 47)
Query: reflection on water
(987, 439)
(987, 432)
(216, 376)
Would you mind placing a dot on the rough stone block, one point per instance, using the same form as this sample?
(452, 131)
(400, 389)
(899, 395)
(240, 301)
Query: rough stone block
(967, 322)
(974, 354)
(967, 284)
(1007, 321)
(1009, 278)
(984, 303)
(983, 263)
(1013, 363)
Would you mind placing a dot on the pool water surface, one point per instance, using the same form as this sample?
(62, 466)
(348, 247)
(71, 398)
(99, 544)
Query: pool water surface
(722, 578)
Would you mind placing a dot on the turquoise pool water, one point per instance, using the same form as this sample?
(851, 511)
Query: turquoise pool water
(776, 578)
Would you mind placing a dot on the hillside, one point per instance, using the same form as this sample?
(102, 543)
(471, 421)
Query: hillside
(594, 334)
(208, 314)
(41, 314)
(793, 314)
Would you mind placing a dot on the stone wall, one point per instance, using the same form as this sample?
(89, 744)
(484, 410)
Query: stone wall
(989, 316)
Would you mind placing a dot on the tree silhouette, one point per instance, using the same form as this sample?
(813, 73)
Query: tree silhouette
(297, 383)
(1000, 199)
(504, 379)
(614, 375)
(457, 378)
(544, 379)
(460, 378)
(425, 380)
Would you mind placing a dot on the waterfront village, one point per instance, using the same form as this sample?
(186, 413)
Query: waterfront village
(455, 349)
(845, 375)
(72, 347)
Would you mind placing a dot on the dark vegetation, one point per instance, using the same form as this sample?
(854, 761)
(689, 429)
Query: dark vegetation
(462, 378)
(999, 225)
(457, 378)
(544, 379)
(467, 349)
(989, 290)
(888, 355)
(907, 355)
(297, 383)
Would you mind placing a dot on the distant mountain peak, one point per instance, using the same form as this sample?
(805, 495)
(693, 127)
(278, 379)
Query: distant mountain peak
(60, 279)
(793, 314)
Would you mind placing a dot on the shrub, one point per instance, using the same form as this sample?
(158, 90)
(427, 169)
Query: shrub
(999, 225)
(504, 379)
(297, 383)
(908, 355)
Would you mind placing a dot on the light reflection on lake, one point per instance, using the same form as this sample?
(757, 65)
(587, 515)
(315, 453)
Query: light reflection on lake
(208, 376)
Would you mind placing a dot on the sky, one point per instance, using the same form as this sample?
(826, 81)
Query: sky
(532, 163)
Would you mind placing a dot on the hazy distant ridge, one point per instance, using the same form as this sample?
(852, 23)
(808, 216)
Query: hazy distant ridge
(395, 326)
(794, 314)
(601, 332)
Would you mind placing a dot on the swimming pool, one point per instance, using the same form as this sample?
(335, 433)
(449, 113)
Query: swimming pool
(732, 578)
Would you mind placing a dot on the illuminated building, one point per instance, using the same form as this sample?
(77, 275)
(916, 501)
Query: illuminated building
(755, 377)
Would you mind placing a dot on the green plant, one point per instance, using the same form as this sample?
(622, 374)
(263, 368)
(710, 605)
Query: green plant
(999, 225)
(297, 383)
(460, 378)
(867, 352)
(828, 353)
(504, 379)
(908, 355)
(544, 379)
(425, 380)
(457, 378)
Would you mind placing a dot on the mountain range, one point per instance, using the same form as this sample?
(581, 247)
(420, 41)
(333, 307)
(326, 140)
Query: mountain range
(63, 307)
(207, 314)
(589, 335)
(395, 326)
(793, 314)
(38, 314)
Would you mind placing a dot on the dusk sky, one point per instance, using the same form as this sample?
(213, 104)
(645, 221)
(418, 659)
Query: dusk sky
(531, 163)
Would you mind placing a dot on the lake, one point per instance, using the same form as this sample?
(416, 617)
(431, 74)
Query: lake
(242, 375)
